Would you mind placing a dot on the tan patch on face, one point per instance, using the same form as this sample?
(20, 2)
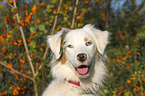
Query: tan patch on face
(63, 59)
(85, 39)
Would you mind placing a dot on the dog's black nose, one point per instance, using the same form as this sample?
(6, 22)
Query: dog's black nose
(82, 57)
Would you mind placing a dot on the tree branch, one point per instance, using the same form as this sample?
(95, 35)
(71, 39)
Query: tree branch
(10, 4)
(52, 32)
(55, 21)
(27, 52)
(14, 70)
(54, 24)
(74, 14)
(24, 41)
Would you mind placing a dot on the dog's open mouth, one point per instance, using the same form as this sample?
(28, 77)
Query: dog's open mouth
(82, 69)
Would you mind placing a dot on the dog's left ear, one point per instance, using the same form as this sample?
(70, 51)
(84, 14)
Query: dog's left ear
(100, 37)
(55, 42)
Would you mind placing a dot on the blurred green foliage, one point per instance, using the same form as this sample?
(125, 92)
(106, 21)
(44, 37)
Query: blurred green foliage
(126, 50)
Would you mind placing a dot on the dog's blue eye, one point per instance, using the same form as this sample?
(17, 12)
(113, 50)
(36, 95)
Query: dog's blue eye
(88, 43)
(70, 46)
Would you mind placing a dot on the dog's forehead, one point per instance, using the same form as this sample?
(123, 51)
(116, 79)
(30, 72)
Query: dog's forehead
(77, 34)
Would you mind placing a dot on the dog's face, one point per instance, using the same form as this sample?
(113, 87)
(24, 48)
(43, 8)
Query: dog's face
(78, 48)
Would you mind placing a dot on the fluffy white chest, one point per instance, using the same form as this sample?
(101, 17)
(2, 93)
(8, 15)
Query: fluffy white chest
(64, 89)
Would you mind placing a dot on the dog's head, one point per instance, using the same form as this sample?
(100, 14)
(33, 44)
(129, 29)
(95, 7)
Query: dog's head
(78, 47)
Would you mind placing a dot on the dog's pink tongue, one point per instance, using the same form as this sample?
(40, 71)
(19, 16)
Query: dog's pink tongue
(82, 71)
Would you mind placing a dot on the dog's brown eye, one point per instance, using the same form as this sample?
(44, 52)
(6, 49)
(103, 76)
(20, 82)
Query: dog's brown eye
(70, 46)
(88, 43)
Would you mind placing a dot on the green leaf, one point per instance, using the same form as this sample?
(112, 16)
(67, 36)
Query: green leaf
(127, 93)
(141, 35)
(24, 4)
(1, 74)
(1, 6)
(40, 34)
(114, 93)
(49, 8)
(33, 29)
(21, 54)
(10, 32)
(1, 0)
(53, 1)
(5, 62)
(65, 19)
(46, 23)
(32, 44)
(41, 49)
(43, 44)
(45, 31)
(10, 56)
(41, 27)
(84, 10)
(14, 9)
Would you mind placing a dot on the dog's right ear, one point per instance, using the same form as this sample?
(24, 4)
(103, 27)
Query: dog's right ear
(54, 42)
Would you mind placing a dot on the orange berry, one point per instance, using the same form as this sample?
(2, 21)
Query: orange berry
(86, 1)
(10, 1)
(15, 43)
(128, 81)
(11, 87)
(10, 65)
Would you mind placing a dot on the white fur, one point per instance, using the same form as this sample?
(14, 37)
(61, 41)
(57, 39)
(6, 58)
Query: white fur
(62, 73)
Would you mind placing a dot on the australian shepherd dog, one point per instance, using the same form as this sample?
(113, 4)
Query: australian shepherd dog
(78, 67)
